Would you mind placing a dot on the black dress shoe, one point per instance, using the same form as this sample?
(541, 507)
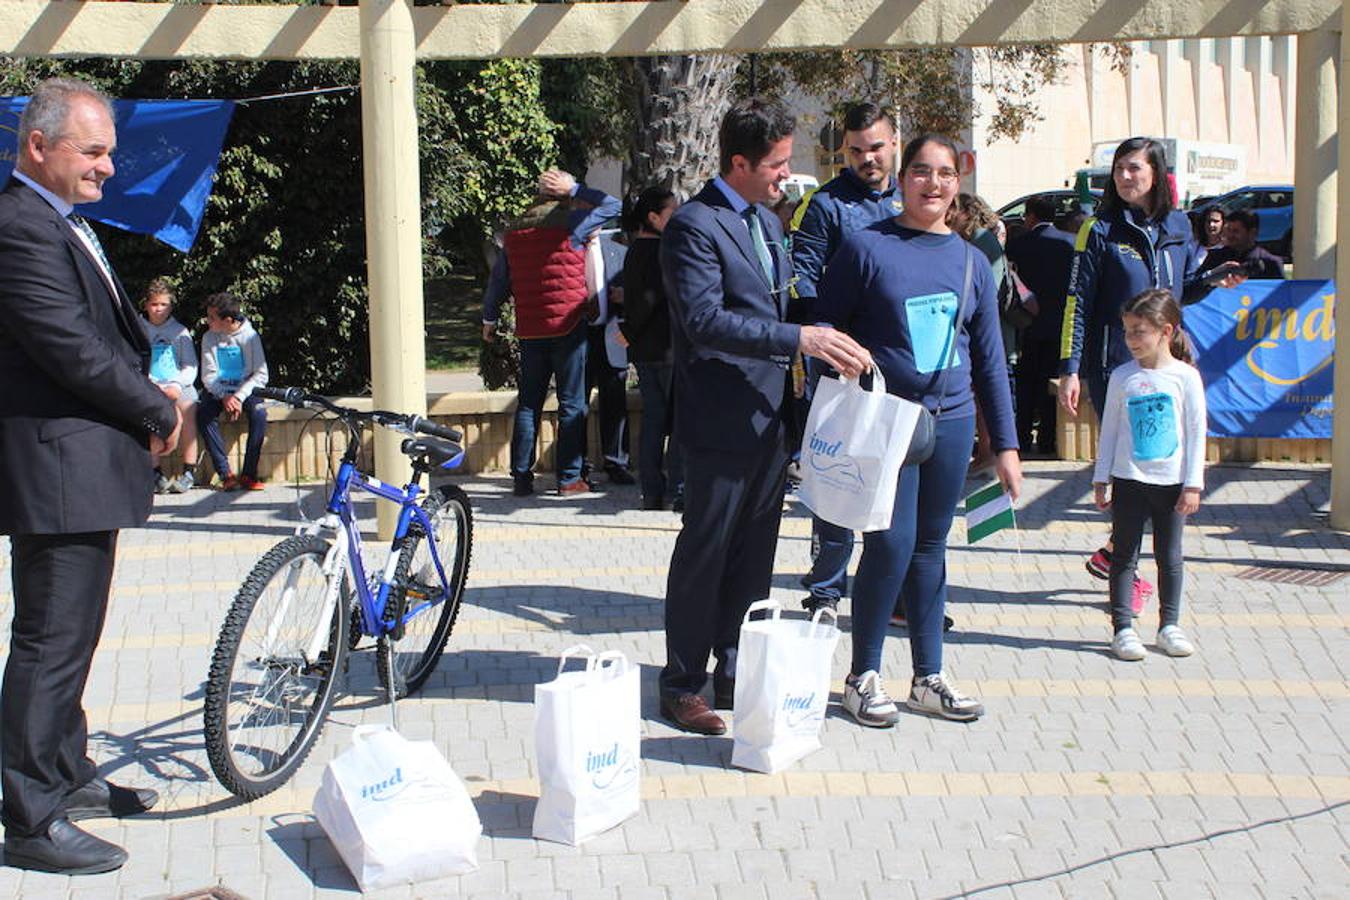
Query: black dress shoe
(619, 475)
(101, 799)
(692, 713)
(65, 850)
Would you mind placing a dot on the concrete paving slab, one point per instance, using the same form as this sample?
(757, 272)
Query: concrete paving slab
(1223, 774)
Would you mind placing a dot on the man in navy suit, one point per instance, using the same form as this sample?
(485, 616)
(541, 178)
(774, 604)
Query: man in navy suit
(1043, 256)
(727, 276)
(78, 419)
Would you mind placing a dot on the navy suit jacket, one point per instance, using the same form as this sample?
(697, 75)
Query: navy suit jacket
(76, 407)
(730, 337)
(1044, 256)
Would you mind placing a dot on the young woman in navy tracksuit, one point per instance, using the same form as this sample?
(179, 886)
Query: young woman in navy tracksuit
(1138, 241)
(896, 287)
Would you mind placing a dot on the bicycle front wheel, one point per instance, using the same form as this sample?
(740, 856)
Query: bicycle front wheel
(274, 669)
(428, 613)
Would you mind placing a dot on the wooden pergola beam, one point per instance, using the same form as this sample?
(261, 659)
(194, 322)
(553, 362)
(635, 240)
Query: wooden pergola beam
(56, 28)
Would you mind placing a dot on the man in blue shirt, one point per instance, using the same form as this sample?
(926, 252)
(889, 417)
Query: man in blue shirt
(862, 194)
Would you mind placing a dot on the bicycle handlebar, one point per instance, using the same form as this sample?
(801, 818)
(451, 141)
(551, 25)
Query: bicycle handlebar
(426, 426)
(298, 398)
(293, 396)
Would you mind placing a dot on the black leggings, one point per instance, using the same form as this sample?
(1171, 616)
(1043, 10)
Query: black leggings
(1132, 504)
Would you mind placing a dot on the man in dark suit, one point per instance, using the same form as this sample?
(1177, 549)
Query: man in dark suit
(726, 276)
(1043, 256)
(78, 417)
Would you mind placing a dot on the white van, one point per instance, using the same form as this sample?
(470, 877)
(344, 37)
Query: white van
(795, 187)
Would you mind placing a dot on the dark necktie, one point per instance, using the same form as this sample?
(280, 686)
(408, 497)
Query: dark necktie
(761, 245)
(83, 227)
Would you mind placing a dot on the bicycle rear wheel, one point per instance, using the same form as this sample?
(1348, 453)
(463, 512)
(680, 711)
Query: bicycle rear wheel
(267, 693)
(428, 612)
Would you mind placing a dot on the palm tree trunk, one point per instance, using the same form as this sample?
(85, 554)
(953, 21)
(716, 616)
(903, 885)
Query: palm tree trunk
(680, 101)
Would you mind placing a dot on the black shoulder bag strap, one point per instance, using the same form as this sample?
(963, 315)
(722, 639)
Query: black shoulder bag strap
(956, 328)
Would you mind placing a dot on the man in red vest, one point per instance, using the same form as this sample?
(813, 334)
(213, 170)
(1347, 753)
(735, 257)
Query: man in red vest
(543, 266)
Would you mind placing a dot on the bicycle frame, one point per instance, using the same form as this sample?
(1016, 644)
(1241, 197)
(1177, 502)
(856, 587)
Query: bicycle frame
(345, 554)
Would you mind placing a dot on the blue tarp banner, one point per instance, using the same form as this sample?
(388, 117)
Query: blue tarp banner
(1265, 352)
(166, 158)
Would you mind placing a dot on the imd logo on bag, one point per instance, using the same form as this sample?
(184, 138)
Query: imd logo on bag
(608, 769)
(840, 471)
(799, 710)
(387, 789)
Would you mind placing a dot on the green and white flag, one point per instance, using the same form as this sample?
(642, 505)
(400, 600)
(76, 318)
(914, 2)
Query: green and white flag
(988, 510)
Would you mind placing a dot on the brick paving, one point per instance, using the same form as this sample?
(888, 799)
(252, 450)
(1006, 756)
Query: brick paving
(1221, 775)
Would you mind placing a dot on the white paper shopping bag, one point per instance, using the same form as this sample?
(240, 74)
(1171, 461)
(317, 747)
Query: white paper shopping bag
(396, 812)
(587, 741)
(782, 687)
(854, 443)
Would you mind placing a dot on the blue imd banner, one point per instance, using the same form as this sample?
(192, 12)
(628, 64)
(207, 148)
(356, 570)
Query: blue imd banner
(166, 158)
(1265, 351)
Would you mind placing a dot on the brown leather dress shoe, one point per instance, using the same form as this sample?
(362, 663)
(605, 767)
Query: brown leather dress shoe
(692, 713)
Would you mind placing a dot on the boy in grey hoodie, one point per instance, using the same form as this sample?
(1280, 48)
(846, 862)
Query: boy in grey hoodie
(233, 365)
(173, 369)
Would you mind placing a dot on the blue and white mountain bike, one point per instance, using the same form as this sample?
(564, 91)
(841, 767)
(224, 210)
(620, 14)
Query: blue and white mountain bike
(310, 599)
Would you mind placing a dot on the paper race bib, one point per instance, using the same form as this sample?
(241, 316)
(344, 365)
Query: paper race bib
(932, 331)
(1153, 424)
(163, 363)
(230, 363)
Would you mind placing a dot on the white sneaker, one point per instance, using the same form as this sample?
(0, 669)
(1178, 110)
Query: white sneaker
(935, 695)
(1173, 641)
(867, 701)
(1126, 645)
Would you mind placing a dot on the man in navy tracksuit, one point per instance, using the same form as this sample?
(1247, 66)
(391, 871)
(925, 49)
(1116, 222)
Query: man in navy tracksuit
(862, 194)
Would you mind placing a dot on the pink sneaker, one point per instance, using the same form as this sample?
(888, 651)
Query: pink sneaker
(1099, 564)
(1139, 595)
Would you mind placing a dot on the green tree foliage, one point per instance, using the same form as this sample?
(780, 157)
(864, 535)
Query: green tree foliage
(929, 88)
(284, 227)
(588, 100)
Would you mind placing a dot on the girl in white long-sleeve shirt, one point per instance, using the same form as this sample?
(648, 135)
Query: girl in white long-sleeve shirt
(1152, 451)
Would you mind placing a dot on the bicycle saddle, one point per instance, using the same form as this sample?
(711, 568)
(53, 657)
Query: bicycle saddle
(437, 452)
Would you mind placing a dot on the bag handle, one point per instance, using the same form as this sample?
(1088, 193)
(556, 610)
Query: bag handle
(956, 328)
(819, 614)
(878, 381)
(773, 607)
(611, 664)
(363, 733)
(578, 650)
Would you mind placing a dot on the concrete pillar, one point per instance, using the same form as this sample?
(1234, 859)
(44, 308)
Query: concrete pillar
(1315, 156)
(1259, 63)
(1285, 64)
(1202, 53)
(1169, 61)
(1340, 427)
(1133, 95)
(393, 228)
(1090, 84)
(1231, 60)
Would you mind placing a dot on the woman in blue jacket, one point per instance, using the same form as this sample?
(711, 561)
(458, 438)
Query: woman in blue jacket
(897, 287)
(1138, 241)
